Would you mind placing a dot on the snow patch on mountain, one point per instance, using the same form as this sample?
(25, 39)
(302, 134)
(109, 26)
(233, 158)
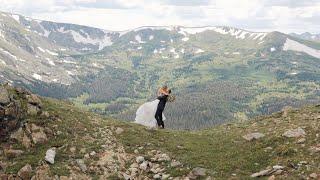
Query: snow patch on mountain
(175, 54)
(2, 35)
(69, 73)
(69, 62)
(185, 39)
(293, 73)
(37, 76)
(51, 53)
(50, 62)
(42, 50)
(199, 51)
(10, 55)
(296, 46)
(237, 33)
(105, 41)
(155, 51)
(2, 62)
(139, 39)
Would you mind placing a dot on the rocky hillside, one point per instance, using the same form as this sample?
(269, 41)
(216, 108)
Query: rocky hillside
(52, 139)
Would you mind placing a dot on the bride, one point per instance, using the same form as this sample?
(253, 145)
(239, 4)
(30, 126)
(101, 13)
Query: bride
(151, 113)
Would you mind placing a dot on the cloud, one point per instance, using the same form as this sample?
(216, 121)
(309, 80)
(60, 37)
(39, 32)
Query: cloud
(257, 15)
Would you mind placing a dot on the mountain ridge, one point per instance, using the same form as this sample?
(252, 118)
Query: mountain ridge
(230, 73)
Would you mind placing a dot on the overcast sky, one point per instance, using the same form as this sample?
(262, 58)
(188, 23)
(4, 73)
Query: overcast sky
(257, 15)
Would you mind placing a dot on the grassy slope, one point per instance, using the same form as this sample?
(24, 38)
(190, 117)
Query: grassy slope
(221, 149)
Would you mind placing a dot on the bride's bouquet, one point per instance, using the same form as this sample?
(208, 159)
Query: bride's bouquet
(171, 98)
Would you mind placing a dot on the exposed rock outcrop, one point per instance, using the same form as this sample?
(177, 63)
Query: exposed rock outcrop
(15, 104)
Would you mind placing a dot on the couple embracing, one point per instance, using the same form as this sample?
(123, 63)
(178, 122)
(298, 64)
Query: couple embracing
(151, 113)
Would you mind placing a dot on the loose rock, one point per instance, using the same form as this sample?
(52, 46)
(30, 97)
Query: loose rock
(119, 130)
(50, 155)
(175, 164)
(293, 133)
(25, 172)
(139, 159)
(197, 172)
(81, 165)
(313, 175)
(261, 173)
(253, 136)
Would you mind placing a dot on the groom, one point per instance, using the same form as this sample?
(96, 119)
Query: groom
(163, 94)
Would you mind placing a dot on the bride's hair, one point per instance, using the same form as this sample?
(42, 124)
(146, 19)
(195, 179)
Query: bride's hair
(169, 91)
(165, 87)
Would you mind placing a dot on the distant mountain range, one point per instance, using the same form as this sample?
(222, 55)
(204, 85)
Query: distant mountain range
(217, 73)
(307, 36)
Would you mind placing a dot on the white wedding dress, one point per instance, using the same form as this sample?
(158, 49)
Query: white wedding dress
(146, 112)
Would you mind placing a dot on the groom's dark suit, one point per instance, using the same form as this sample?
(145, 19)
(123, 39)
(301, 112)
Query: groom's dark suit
(163, 100)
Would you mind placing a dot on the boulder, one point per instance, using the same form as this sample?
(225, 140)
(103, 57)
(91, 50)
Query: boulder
(37, 134)
(175, 164)
(273, 177)
(157, 176)
(50, 155)
(3, 166)
(253, 136)
(315, 149)
(293, 133)
(262, 173)
(21, 137)
(81, 165)
(313, 176)
(33, 110)
(197, 172)
(4, 96)
(25, 172)
(145, 165)
(139, 159)
(119, 130)
(73, 150)
(12, 112)
(42, 172)
(126, 176)
(17, 135)
(301, 140)
(277, 169)
(33, 100)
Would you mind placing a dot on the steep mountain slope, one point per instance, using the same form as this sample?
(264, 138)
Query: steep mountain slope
(87, 146)
(217, 73)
